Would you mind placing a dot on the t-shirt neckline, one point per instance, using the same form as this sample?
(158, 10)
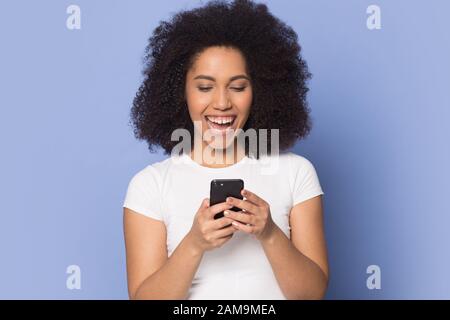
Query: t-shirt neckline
(195, 164)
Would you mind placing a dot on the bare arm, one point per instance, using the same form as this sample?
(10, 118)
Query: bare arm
(300, 263)
(151, 274)
(154, 275)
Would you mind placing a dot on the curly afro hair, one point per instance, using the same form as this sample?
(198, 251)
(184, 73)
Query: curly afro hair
(272, 53)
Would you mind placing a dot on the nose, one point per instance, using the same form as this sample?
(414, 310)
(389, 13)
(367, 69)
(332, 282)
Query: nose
(221, 100)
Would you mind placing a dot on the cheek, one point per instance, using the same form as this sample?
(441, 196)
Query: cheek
(244, 102)
(196, 105)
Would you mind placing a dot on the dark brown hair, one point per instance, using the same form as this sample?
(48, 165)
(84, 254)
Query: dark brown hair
(278, 73)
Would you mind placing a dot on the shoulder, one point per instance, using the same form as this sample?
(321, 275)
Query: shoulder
(295, 161)
(152, 173)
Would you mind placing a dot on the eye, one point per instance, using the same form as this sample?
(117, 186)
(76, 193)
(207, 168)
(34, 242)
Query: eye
(239, 89)
(204, 89)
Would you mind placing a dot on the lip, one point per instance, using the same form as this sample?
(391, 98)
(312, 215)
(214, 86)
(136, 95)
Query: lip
(221, 115)
(214, 127)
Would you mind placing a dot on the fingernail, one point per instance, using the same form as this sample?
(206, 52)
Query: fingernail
(226, 212)
(234, 223)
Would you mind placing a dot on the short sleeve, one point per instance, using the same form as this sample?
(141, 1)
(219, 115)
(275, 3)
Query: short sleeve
(143, 194)
(306, 182)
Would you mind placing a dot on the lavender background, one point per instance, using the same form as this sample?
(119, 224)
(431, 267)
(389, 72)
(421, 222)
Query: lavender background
(380, 103)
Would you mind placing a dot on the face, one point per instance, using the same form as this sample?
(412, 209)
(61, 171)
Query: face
(219, 94)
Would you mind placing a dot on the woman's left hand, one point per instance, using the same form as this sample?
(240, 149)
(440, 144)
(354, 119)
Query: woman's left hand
(255, 217)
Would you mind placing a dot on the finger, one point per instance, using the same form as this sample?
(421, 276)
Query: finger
(240, 216)
(253, 197)
(243, 227)
(220, 223)
(223, 232)
(243, 204)
(223, 240)
(203, 206)
(219, 207)
(205, 203)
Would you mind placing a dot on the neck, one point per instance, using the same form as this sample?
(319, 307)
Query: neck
(214, 158)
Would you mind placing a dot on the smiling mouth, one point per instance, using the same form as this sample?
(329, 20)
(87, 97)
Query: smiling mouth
(220, 123)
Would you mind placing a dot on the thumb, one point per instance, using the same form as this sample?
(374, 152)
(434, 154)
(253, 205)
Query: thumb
(205, 203)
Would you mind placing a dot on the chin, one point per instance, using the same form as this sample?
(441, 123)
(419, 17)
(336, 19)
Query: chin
(218, 147)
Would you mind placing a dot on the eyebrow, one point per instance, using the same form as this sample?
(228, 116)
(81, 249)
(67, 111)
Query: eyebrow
(240, 76)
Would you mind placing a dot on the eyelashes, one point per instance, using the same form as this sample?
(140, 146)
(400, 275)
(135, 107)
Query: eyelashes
(237, 89)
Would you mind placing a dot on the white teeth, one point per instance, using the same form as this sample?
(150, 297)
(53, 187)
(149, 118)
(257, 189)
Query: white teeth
(220, 120)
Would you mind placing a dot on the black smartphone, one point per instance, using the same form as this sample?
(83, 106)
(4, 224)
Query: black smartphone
(223, 188)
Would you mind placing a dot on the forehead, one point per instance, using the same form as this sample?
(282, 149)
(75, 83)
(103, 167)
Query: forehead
(219, 61)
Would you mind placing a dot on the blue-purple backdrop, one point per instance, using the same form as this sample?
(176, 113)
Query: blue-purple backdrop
(380, 103)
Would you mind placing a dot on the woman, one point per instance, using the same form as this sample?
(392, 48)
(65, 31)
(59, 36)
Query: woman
(221, 69)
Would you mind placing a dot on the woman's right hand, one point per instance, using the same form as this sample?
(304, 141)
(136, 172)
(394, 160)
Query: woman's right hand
(208, 233)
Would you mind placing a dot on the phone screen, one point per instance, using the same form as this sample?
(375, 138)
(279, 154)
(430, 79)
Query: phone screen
(223, 188)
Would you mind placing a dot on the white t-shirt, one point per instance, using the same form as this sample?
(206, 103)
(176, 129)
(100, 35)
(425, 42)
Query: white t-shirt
(172, 190)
